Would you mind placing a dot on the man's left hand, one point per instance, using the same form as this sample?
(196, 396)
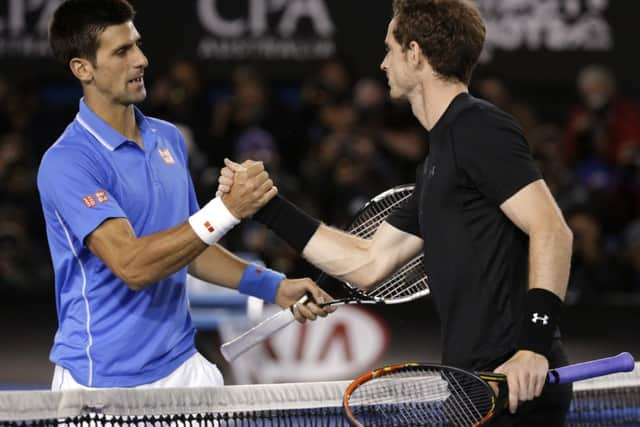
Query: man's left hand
(291, 290)
(526, 375)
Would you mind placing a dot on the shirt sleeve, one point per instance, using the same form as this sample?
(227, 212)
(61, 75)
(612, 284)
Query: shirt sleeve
(405, 216)
(71, 182)
(494, 153)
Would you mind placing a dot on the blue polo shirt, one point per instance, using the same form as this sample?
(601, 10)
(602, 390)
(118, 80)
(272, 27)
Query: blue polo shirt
(109, 335)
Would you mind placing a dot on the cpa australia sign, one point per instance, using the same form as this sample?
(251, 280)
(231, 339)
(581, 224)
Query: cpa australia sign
(23, 27)
(266, 29)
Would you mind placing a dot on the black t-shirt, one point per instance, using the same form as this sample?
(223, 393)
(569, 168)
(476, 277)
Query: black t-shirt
(476, 258)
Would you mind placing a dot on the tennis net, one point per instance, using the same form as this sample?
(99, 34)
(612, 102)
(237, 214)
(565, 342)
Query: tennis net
(607, 401)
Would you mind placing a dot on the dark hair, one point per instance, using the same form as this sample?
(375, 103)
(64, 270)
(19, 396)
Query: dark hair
(77, 25)
(451, 34)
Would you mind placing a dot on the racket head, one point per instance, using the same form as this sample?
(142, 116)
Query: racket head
(419, 394)
(409, 282)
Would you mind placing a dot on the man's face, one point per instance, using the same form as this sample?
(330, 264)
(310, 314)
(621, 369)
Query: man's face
(119, 65)
(395, 65)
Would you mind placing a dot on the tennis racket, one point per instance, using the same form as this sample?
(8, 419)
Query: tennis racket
(415, 394)
(408, 283)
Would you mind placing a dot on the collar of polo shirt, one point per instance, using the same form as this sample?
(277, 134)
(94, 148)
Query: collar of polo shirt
(102, 131)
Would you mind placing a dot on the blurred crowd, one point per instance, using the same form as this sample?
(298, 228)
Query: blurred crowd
(331, 143)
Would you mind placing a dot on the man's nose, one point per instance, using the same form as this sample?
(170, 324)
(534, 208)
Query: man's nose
(141, 60)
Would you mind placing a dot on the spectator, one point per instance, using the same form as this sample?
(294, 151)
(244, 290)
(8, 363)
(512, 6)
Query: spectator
(605, 126)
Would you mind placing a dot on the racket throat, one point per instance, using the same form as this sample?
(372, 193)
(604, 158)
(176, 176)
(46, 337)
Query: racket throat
(356, 296)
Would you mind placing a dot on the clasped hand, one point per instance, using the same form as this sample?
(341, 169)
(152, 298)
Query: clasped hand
(248, 189)
(244, 189)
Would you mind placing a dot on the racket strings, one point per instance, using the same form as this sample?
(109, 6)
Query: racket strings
(421, 397)
(464, 408)
(407, 283)
(368, 221)
(408, 280)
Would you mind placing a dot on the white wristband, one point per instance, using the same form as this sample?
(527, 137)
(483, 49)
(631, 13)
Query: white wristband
(212, 221)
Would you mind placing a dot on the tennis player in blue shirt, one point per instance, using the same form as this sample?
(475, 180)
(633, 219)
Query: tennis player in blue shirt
(124, 226)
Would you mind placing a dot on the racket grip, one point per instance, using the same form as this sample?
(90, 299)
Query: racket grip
(263, 330)
(623, 362)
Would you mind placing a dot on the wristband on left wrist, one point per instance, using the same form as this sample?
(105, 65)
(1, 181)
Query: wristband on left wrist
(539, 321)
(260, 282)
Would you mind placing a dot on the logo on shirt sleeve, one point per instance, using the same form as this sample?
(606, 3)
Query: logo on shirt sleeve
(166, 156)
(91, 200)
(102, 196)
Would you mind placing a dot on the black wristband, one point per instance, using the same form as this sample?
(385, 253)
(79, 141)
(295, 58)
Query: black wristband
(540, 320)
(292, 224)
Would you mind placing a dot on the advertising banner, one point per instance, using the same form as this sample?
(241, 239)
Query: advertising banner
(543, 40)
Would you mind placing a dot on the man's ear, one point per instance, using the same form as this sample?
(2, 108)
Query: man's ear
(414, 54)
(82, 68)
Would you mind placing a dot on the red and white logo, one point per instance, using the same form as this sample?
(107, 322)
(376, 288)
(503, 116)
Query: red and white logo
(350, 340)
(102, 196)
(89, 201)
(99, 196)
(166, 156)
(209, 227)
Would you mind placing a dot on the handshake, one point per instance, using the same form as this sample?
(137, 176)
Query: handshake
(245, 188)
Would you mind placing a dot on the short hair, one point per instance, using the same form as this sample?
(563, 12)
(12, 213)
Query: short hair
(77, 24)
(450, 33)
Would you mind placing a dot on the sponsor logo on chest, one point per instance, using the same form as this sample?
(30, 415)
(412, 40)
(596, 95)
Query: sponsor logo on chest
(166, 156)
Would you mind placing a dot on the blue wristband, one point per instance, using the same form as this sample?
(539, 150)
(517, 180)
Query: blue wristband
(260, 282)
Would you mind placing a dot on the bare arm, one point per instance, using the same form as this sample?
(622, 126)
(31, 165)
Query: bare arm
(361, 262)
(219, 266)
(535, 212)
(141, 261)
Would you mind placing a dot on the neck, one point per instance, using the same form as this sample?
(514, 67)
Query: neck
(121, 118)
(431, 98)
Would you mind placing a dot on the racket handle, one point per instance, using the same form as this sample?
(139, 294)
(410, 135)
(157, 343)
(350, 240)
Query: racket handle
(580, 371)
(263, 330)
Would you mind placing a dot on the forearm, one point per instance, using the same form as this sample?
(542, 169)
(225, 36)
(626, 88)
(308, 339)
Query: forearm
(549, 262)
(335, 252)
(146, 260)
(219, 266)
(361, 262)
(142, 261)
(550, 259)
(343, 256)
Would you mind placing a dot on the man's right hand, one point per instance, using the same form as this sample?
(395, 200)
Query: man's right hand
(227, 173)
(251, 189)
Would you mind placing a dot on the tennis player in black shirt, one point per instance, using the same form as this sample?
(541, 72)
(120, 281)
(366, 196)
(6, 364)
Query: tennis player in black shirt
(497, 249)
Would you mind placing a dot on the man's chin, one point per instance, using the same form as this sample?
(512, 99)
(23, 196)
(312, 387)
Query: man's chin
(395, 94)
(137, 98)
